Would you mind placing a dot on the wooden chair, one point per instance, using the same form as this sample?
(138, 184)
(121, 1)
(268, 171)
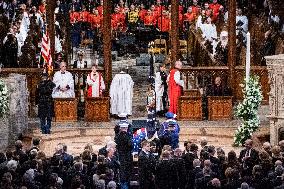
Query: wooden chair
(183, 46)
(65, 109)
(160, 46)
(220, 107)
(97, 109)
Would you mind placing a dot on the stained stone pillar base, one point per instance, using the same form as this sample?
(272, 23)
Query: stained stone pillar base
(16, 121)
(275, 66)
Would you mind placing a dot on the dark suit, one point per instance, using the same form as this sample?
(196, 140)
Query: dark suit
(179, 164)
(166, 175)
(76, 63)
(251, 161)
(214, 90)
(146, 167)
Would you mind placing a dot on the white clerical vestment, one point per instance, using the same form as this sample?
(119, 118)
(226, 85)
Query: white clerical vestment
(159, 90)
(96, 85)
(121, 94)
(61, 80)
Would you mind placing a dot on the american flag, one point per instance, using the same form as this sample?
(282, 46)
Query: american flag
(45, 51)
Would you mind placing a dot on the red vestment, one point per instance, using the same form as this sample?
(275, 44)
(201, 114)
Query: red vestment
(90, 88)
(174, 92)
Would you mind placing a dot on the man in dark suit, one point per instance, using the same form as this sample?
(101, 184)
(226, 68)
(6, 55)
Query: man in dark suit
(44, 101)
(218, 89)
(179, 163)
(80, 63)
(248, 157)
(146, 166)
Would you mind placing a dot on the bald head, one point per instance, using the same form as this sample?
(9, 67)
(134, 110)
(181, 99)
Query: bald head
(178, 64)
(63, 66)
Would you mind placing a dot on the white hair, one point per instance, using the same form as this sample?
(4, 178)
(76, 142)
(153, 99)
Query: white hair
(12, 165)
(111, 144)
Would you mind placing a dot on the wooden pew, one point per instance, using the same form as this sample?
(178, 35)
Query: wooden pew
(65, 109)
(190, 106)
(97, 109)
(220, 107)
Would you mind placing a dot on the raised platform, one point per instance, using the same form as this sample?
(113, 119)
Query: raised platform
(77, 135)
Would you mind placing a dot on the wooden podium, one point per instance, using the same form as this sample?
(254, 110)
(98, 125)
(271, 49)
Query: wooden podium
(65, 109)
(190, 106)
(97, 109)
(220, 107)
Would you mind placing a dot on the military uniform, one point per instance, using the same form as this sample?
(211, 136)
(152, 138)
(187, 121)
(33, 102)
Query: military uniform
(124, 148)
(45, 104)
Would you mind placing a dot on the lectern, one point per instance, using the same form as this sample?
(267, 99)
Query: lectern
(65, 109)
(97, 109)
(220, 107)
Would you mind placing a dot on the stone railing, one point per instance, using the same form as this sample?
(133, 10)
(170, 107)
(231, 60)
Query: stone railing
(200, 77)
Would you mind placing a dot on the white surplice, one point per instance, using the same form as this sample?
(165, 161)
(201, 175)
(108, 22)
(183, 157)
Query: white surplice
(159, 90)
(121, 94)
(97, 84)
(209, 31)
(62, 80)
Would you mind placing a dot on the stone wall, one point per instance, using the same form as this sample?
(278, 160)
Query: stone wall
(17, 119)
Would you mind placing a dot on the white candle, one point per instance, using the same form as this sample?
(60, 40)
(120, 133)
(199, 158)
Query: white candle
(248, 57)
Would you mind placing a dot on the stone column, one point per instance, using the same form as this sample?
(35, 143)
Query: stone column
(275, 66)
(16, 120)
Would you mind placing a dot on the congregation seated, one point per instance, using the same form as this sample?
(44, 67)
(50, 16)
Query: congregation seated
(21, 168)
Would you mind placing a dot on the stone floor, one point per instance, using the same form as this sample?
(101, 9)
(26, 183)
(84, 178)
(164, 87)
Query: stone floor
(77, 135)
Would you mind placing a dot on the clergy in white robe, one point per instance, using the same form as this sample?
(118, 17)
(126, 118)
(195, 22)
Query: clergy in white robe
(159, 90)
(209, 31)
(64, 83)
(242, 23)
(96, 84)
(121, 94)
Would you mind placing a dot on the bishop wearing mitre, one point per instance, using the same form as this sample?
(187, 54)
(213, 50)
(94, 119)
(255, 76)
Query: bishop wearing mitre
(64, 83)
(95, 82)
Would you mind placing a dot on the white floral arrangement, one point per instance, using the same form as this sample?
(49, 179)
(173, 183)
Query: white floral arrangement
(4, 103)
(248, 110)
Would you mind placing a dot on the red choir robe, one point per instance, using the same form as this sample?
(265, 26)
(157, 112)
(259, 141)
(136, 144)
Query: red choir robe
(175, 92)
(95, 20)
(74, 17)
(149, 20)
(195, 10)
(84, 15)
(142, 14)
(215, 7)
(164, 24)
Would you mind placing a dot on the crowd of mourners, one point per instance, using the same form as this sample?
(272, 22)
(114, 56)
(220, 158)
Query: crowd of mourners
(157, 165)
